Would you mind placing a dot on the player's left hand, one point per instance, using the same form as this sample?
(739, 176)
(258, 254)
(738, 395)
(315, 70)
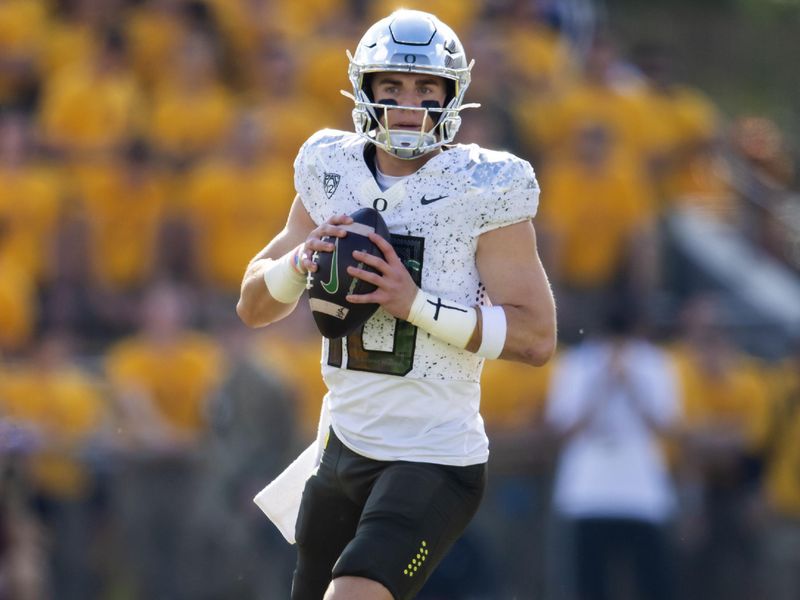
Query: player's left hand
(396, 290)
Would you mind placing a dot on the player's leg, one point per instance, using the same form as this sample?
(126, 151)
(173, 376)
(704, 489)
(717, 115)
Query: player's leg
(594, 544)
(326, 523)
(650, 554)
(412, 517)
(357, 588)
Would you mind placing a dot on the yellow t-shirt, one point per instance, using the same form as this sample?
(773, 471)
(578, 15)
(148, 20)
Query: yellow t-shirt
(513, 395)
(287, 123)
(246, 25)
(23, 24)
(701, 178)
(124, 214)
(783, 467)
(737, 398)
(236, 210)
(557, 124)
(18, 304)
(30, 203)
(186, 122)
(66, 408)
(687, 124)
(297, 361)
(540, 57)
(322, 73)
(85, 110)
(178, 377)
(592, 218)
(65, 46)
(155, 35)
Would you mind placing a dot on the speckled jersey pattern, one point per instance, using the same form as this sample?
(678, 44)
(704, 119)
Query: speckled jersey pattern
(427, 408)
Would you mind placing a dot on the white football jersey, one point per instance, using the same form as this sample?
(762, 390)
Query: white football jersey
(396, 392)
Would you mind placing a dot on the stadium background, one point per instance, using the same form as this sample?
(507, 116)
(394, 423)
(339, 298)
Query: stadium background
(146, 153)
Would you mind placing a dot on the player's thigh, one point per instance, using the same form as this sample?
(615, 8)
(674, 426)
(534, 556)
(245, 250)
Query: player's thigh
(356, 588)
(414, 514)
(326, 523)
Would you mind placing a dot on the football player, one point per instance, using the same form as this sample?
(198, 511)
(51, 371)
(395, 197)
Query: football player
(404, 461)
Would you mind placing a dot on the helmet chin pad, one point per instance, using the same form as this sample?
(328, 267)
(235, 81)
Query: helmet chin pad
(404, 144)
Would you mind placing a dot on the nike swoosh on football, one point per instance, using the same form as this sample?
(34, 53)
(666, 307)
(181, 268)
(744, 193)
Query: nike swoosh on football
(425, 200)
(332, 285)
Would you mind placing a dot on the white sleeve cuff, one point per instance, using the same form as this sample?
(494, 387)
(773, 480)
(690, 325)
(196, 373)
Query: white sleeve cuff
(493, 331)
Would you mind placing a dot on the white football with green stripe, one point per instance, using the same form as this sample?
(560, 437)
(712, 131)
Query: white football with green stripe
(329, 286)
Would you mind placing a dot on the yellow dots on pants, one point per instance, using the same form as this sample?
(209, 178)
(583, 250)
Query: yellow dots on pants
(416, 562)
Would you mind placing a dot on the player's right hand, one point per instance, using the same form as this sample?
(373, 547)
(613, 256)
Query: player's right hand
(315, 243)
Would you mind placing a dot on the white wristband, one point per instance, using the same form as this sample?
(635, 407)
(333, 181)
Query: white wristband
(283, 281)
(493, 331)
(449, 321)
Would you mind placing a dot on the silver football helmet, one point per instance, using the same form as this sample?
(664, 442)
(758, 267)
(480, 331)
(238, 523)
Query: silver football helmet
(409, 41)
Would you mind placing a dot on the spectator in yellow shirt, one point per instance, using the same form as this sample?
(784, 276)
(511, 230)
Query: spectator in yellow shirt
(540, 57)
(23, 26)
(726, 414)
(286, 113)
(599, 98)
(233, 201)
(156, 31)
(192, 110)
(124, 200)
(31, 195)
(93, 107)
(687, 125)
(781, 569)
(162, 379)
(18, 303)
(598, 232)
(62, 404)
(292, 350)
(164, 373)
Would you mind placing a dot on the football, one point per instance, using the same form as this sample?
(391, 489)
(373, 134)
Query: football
(331, 283)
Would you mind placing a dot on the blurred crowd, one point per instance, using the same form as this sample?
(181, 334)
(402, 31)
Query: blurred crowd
(146, 151)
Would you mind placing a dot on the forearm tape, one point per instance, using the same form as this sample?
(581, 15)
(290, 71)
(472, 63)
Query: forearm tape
(283, 279)
(449, 321)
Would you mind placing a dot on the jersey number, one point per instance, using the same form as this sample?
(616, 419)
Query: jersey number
(401, 359)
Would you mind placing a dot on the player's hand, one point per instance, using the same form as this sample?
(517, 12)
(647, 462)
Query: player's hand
(314, 242)
(396, 290)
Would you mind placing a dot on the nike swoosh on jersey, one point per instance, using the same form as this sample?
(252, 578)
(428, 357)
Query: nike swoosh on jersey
(332, 285)
(425, 200)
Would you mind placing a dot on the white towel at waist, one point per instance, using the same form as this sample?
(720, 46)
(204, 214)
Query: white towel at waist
(280, 500)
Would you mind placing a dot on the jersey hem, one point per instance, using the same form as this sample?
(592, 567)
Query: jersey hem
(457, 461)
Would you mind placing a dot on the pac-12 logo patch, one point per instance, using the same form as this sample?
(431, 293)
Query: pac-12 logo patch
(331, 182)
